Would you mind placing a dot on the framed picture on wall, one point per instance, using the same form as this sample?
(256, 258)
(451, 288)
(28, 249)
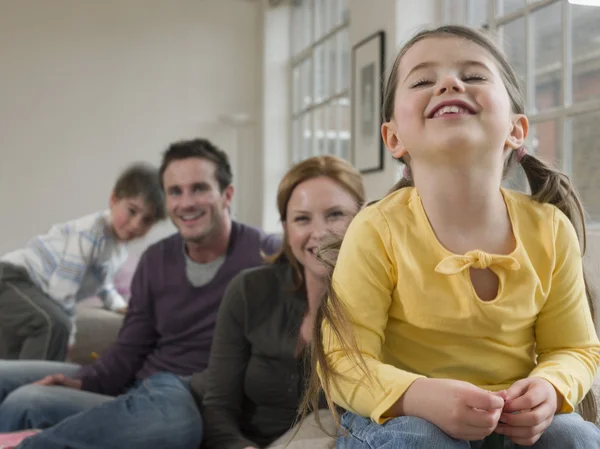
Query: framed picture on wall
(368, 59)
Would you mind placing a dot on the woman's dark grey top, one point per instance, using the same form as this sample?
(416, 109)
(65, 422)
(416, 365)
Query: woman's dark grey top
(254, 382)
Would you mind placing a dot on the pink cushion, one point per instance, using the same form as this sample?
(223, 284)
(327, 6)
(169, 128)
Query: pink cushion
(122, 279)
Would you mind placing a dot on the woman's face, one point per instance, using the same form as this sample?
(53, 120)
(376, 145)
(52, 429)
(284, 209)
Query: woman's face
(318, 207)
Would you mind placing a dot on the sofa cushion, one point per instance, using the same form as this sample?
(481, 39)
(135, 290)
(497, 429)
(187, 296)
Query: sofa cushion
(309, 436)
(97, 329)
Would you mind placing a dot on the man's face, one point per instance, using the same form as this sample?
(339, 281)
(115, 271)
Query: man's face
(194, 199)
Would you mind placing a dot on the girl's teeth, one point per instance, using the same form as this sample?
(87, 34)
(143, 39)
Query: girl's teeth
(451, 110)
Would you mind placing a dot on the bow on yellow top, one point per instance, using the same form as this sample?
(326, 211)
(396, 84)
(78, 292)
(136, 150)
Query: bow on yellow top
(475, 259)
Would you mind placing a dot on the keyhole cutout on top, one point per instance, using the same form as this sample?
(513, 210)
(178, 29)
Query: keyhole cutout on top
(485, 283)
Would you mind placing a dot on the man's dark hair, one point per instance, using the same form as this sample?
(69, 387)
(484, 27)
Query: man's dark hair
(141, 179)
(203, 149)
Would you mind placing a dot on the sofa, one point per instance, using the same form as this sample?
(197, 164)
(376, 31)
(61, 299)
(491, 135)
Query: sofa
(98, 328)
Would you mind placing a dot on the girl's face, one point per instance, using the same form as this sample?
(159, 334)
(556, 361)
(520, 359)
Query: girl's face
(317, 208)
(451, 104)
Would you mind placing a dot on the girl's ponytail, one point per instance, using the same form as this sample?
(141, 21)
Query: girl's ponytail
(551, 186)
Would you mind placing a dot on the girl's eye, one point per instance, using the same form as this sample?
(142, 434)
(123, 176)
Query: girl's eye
(420, 83)
(474, 78)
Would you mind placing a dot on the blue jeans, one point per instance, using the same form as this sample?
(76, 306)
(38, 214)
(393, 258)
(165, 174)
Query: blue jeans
(158, 412)
(407, 432)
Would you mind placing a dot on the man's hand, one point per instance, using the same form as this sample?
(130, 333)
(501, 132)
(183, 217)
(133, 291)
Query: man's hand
(122, 310)
(60, 380)
(531, 404)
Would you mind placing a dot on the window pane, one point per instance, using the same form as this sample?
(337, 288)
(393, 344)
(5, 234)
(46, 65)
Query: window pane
(297, 27)
(586, 57)
(585, 163)
(305, 82)
(308, 24)
(321, 21)
(477, 12)
(332, 129)
(320, 144)
(344, 127)
(513, 38)
(345, 8)
(344, 46)
(457, 11)
(545, 142)
(307, 136)
(296, 94)
(332, 53)
(508, 6)
(547, 31)
(320, 73)
(335, 13)
(296, 141)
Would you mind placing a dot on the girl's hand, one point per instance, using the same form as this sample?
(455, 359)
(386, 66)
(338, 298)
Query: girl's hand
(530, 407)
(460, 409)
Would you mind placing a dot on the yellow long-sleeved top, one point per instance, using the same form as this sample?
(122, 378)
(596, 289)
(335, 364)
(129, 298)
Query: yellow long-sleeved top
(414, 312)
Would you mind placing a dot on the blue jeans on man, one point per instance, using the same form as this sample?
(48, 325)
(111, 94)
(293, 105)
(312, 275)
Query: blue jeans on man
(155, 413)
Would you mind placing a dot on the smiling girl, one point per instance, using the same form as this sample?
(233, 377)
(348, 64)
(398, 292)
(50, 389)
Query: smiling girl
(465, 305)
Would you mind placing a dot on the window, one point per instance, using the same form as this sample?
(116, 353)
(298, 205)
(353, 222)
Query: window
(320, 79)
(555, 48)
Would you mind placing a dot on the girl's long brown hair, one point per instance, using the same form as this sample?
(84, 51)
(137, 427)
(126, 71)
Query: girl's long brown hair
(546, 185)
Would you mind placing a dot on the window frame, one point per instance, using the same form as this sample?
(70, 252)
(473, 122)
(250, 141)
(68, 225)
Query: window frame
(331, 35)
(461, 11)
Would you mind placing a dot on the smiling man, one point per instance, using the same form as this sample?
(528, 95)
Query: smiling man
(137, 395)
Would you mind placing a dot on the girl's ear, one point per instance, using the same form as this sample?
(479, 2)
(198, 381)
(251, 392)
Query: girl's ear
(518, 133)
(391, 140)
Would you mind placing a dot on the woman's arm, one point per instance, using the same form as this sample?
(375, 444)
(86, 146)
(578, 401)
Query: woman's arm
(223, 389)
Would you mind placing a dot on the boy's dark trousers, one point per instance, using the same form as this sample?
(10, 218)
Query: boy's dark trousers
(32, 326)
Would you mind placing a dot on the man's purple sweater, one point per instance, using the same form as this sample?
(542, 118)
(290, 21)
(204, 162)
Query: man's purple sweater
(169, 324)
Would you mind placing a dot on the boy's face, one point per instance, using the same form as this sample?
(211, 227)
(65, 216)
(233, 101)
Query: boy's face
(131, 218)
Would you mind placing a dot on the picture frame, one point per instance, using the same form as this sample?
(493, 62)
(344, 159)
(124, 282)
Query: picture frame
(368, 68)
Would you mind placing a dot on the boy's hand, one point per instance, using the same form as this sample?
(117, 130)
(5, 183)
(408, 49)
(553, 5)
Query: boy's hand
(60, 380)
(122, 310)
(530, 407)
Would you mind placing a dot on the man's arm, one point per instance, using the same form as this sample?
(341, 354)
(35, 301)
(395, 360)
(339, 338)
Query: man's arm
(270, 244)
(116, 369)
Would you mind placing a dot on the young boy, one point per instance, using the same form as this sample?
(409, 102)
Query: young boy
(40, 284)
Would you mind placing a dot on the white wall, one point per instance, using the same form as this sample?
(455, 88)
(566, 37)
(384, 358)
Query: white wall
(391, 16)
(86, 87)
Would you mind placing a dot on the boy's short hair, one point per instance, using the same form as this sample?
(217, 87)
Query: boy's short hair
(141, 179)
(202, 149)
